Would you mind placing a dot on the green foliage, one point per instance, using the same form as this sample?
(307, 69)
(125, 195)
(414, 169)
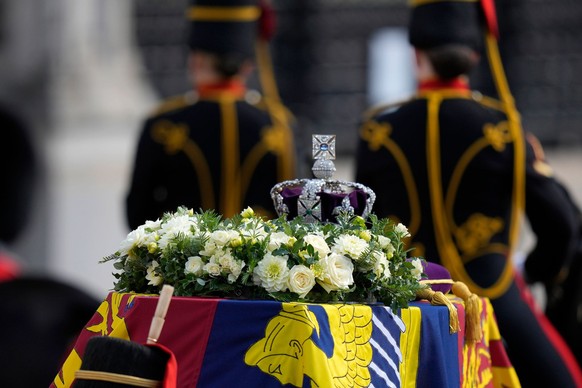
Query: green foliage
(353, 260)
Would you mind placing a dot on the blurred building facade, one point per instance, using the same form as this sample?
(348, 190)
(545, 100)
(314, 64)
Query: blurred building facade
(322, 54)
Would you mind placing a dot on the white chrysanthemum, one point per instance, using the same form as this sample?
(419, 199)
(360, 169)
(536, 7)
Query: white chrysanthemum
(301, 280)
(318, 243)
(337, 272)
(402, 230)
(272, 273)
(194, 265)
(418, 268)
(349, 245)
(154, 279)
(276, 239)
(381, 269)
(173, 227)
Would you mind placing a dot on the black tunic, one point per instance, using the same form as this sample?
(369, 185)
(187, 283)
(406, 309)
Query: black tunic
(218, 153)
(451, 166)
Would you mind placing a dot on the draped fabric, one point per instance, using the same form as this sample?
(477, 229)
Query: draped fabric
(218, 342)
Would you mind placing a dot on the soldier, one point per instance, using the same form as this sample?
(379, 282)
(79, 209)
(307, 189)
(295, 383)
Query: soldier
(40, 316)
(19, 165)
(221, 147)
(455, 167)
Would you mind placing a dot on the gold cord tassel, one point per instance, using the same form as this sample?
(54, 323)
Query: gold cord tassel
(473, 332)
(437, 298)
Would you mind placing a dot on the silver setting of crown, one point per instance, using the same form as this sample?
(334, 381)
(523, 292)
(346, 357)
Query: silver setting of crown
(309, 203)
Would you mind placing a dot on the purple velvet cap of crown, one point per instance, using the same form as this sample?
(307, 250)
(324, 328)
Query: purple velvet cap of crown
(435, 271)
(290, 196)
(329, 201)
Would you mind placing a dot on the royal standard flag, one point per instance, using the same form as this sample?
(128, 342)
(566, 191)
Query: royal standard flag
(220, 342)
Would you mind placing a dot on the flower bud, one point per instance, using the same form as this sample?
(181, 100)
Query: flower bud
(152, 247)
(248, 212)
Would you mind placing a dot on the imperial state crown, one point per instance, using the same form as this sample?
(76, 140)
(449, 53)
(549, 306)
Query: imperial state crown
(322, 199)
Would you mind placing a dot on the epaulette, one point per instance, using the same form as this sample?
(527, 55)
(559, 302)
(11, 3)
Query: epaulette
(174, 103)
(382, 107)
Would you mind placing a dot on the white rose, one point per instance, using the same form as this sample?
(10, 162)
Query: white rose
(337, 272)
(221, 238)
(194, 265)
(272, 273)
(224, 258)
(301, 280)
(209, 248)
(318, 243)
(212, 268)
(154, 279)
(350, 245)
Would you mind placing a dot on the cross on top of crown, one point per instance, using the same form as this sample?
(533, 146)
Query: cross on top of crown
(323, 147)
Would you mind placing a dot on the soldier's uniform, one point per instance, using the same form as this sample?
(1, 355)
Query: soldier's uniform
(18, 170)
(455, 167)
(222, 147)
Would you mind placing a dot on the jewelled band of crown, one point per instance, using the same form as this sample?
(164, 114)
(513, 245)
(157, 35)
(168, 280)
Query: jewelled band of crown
(309, 200)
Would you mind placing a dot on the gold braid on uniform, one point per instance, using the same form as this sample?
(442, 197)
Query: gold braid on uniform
(516, 132)
(281, 117)
(231, 200)
(223, 14)
(377, 135)
(448, 250)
